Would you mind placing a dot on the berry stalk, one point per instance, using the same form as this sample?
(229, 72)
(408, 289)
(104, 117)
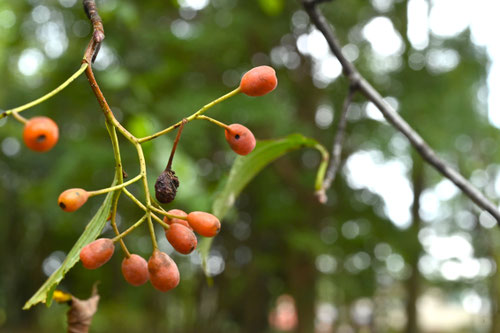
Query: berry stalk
(46, 96)
(191, 117)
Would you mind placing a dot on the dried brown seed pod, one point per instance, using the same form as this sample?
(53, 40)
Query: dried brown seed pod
(166, 186)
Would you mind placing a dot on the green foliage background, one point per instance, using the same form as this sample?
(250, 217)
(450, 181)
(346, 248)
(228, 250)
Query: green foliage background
(272, 238)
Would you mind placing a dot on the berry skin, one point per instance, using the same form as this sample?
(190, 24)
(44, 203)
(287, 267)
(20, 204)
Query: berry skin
(182, 239)
(177, 212)
(258, 81)
(97, 253)
(163, 271)
(135, 270)
(40, 134)
(72, 199)
(240, 139)
(204, 223)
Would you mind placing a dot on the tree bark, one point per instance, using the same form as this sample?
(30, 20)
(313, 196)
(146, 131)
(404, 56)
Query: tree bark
(413, 283)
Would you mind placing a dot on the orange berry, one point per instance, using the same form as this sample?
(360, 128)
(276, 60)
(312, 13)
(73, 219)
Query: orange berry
(181, 238)
(40, 134)
(258, 81)
(204, 223)
(240, 139)
(177, 212)
(135, 270)
(72, 199)
(163, 271)
(97, 253)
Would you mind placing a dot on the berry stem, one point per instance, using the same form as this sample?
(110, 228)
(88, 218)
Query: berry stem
(170, 216)
(177, 138)
(19, 118)
(134, 199)
(214, 121)
(119, 176)
(144, 208)
(152, 231)
(130, 229)
(47, 96)
(116, 187)
(191, 117)
(160, 221)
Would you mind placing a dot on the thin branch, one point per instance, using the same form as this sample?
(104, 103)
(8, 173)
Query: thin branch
(98, 35)
(177, 138)
(336, 158)
(393, 117)
(46, 96)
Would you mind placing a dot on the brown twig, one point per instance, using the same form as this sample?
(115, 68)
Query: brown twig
(427, 153)
(98, 35)
(177, 138)
(336, 158)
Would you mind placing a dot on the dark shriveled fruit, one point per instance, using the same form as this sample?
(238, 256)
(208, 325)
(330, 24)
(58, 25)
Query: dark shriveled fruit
(163, 272)
(166, 186)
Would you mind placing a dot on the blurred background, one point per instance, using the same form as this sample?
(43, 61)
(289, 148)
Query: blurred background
(396, 249)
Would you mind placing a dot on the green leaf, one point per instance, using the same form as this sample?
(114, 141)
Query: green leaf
(245, 168)
(92, 230)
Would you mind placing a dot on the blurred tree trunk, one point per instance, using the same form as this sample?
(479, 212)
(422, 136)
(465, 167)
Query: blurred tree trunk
(413, 283)
(493, 237)
(255, 308)
(303, 282)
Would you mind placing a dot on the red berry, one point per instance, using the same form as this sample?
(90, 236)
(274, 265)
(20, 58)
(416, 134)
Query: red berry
(40, 134)
(135, 270)
(258, 81)
(177, 212)
(204, 223)
(240, 139)
(97, 253)
(163, 272)
(72, 199)
(181, 238)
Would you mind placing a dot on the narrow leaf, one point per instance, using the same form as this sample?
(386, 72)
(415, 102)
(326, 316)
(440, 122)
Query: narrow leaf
(92, 230)
(245, 168)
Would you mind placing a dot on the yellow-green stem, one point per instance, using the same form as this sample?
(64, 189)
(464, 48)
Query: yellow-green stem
(130, 229)
(19, 118)
(142, 165)
(119, 178)
(116, 187)
(47, 96)
(214, 121)
(191, 117)
(160, 221)
(135, 200)
(152, 231)
(170, 216)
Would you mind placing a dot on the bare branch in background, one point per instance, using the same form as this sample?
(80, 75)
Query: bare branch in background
(334, 166)
(358, 81)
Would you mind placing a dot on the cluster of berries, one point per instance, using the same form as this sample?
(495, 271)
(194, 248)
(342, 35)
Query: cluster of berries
(160, 269)
(41, 134)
